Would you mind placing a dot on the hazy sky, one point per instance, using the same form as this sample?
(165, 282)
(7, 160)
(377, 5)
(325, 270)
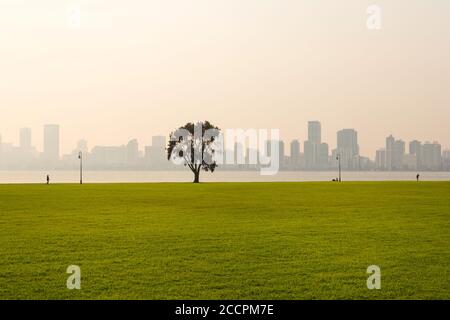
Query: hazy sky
(140, 68)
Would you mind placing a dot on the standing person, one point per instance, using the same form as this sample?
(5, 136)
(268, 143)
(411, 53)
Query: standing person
(417, 177)
(48, 179)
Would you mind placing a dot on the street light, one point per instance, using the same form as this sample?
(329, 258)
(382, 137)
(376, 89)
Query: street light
(80, 156)
(338, 157)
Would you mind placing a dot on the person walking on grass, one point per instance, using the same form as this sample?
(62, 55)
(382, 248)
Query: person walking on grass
(418, 177)
(48, 179)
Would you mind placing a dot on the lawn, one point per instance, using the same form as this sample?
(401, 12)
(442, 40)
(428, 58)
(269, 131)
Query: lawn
(226, 240)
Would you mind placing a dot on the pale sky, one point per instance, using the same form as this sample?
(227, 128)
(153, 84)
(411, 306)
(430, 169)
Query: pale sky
(140, 68)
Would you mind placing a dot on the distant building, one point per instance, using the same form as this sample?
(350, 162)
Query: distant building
(155, 155)
(295, 154)
(323, 156)
(281, 152)
(415, 148)
(51, 142)
(111, 157)
(409, 162)
(431, 156)
(314, 132)
(348, 148)
(132, 153)
(380, 159)
(395, 151)
(315, 152)
(398, 155)
(446, 160)
(25, 139)
(239, 154)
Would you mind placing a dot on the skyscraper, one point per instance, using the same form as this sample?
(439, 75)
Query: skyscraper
(380, 159)
(348, 148)
(157, 153)
(314, 132)
(415, 149)
(322, 156)
(279, 146)
(432, 156)
(398, 155)
(132, 152)
(25, 139)
(295, 153)
(395, 151)
(51, 142)
(389, 150)
(313, 148)
(310, 151)
(446, 160)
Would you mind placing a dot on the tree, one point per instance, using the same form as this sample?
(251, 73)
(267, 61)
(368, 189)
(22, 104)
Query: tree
(194, 145)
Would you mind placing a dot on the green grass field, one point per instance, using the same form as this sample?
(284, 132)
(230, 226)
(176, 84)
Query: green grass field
(226, 240)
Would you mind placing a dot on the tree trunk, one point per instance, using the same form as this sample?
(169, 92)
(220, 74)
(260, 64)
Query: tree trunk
(197, 177)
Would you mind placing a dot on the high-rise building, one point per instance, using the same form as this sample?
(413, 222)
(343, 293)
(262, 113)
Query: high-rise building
(415, 148)
(431, 156)
(310, 152)
(113, 157)
(281, 151)
(398, 155)
(409, 162)
(314, 132)
(380, 159)
(51, 142)
(25, 139)
(282, 154)
(295, 153)
(446, 160)
(314, 151)
(323, 156)
(156, 153)
(395, 151)
(132, 152)
(389, 150)
(239, 156)
(348, 148)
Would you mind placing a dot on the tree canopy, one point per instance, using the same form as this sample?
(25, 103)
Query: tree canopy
(193, 145)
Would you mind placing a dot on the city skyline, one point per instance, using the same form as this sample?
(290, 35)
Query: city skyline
(25, 132)
(316, 154)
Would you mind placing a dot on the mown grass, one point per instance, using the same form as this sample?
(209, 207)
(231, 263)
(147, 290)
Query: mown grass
(226, 240)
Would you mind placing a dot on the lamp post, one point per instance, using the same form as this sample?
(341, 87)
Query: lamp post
(338, 157)
(80, 156)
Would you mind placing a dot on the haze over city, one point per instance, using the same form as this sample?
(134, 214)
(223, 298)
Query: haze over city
(135, 71)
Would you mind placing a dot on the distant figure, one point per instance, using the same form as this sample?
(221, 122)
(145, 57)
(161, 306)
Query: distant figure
(417, 177)
(48, 179)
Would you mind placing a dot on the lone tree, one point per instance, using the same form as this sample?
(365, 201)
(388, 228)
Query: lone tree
(193, 145)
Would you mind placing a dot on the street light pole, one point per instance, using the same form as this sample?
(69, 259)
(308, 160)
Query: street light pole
(80, 156)
(338, 157)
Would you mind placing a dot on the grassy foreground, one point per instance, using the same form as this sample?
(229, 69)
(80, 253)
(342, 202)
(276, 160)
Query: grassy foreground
(226, 240)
